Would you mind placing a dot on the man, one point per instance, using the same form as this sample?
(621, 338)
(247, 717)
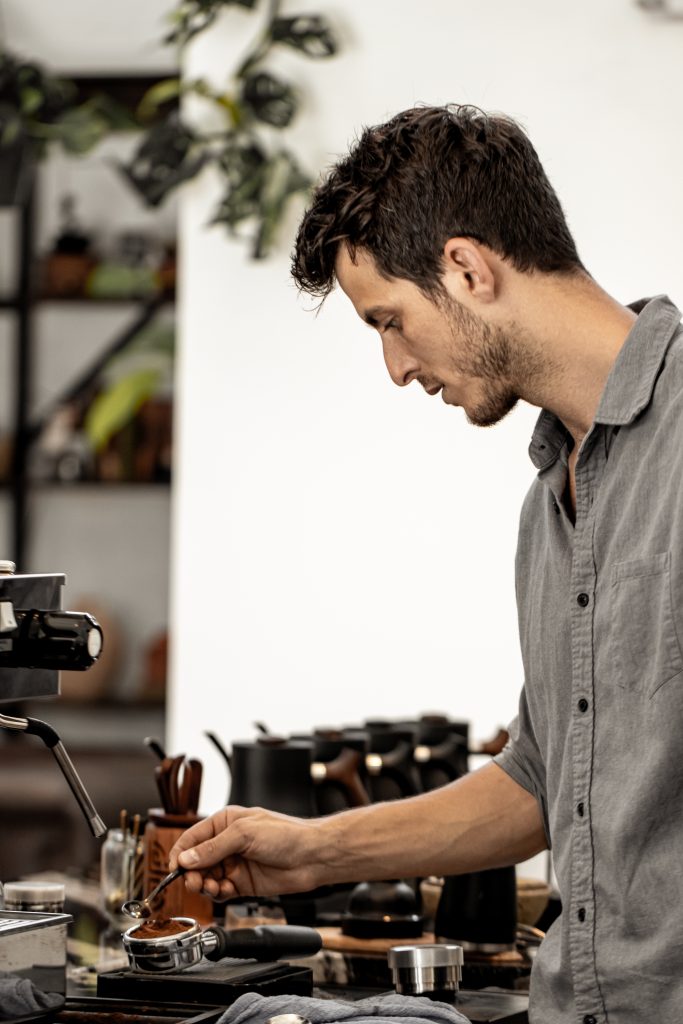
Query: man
(444, 232)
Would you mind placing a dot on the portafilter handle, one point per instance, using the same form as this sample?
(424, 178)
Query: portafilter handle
(266, 942)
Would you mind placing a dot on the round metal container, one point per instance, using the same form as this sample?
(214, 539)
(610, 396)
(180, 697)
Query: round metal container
(167, 952)
(425, 970)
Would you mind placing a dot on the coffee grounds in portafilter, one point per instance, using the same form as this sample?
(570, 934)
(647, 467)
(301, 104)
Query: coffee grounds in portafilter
(159, 928)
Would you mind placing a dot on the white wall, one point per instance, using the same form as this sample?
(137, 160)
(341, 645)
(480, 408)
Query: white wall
(342, 548)
(90, 36)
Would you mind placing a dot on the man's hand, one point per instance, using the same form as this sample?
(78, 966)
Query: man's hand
(247, 851)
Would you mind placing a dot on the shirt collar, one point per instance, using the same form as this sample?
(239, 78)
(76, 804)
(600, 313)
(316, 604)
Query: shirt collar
(631, 380)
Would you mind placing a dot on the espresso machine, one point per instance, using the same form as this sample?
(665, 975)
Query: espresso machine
(38, 639)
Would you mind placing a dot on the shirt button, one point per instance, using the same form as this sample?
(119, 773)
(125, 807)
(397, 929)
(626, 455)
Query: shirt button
(579, 810)
(583, 704)
(583, 600)
(589, 1019)
(582, 914)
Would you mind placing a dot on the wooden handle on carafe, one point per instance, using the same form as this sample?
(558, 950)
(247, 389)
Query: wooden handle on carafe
(344, 770)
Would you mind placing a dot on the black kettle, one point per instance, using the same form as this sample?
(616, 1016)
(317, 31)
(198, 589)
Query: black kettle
(275, 773)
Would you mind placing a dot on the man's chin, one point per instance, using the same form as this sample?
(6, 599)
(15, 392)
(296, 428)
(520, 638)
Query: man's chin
(488, 414)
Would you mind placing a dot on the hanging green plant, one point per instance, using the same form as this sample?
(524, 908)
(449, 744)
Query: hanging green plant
(39, 110)
(259, 177)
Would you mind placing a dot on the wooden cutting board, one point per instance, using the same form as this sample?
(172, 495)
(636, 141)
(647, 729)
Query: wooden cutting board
(335, 940)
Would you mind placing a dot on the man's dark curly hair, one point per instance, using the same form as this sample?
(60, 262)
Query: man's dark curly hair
(427, 175)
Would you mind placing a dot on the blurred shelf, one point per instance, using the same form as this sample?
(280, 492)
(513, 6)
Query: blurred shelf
(109, 705)
(99, 485)
(12, 304)
(42, 514)
(92, 485)
(100, 723)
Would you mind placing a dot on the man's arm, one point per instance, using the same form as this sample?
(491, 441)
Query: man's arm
(483, 820)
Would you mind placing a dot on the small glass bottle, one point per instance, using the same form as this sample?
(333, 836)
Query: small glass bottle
(117, 867)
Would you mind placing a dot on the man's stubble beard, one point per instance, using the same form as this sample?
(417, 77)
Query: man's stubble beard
(495, 356)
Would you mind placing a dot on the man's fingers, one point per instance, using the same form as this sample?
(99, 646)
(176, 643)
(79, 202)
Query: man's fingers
(194, 881)
(210, 840)
(197, 833)
(212, 851)
(227, 889)
(210, 887)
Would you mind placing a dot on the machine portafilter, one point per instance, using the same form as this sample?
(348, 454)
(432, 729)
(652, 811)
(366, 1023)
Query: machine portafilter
(37, 640)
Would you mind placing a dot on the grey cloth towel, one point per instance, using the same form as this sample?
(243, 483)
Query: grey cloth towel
(252, 1008)
(19, 997)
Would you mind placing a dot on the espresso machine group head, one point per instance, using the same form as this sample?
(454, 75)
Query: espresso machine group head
(37, 640)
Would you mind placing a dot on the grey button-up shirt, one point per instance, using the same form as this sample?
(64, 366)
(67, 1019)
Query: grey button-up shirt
(599, 735)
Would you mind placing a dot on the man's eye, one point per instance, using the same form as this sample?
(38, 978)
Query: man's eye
(393, 325)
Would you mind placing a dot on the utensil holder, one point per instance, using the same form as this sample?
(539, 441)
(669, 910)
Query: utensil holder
(161, 833)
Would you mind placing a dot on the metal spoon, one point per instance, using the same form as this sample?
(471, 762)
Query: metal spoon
(141, 909)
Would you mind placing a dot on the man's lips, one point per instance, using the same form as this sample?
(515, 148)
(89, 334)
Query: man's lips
(434, 390)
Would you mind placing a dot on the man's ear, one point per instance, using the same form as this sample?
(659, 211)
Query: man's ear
(469, 270)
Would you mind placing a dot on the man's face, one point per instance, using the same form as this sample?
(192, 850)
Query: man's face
(442, 345)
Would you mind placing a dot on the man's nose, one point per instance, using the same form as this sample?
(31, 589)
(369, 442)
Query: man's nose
(402, 366)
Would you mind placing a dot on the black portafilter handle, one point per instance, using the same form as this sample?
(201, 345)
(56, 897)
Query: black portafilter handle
(266, 942)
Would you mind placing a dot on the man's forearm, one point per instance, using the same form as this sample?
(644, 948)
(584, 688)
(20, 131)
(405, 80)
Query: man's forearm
(483, 820)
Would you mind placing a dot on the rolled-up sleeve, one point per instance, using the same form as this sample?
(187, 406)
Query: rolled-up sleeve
(521, 760)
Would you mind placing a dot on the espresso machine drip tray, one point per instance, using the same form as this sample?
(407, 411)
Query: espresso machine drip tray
(213, 984)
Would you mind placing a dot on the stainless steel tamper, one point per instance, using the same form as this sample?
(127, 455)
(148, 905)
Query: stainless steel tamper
(433, 970)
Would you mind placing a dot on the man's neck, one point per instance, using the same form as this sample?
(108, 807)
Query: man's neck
(579, 329)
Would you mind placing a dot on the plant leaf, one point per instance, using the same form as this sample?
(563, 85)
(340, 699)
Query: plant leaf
(243, 164)
(80, 129)
(31, 100)
(283, 177)
(308, 33)
(163, 160)
(193, 16)
(270, 100)
(114, 409)
(166, 91)
(118, 118)
(11, 128)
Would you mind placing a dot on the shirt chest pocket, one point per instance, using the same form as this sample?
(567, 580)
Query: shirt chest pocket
(644, 641)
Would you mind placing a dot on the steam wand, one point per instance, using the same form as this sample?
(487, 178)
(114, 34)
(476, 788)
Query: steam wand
(50, 738)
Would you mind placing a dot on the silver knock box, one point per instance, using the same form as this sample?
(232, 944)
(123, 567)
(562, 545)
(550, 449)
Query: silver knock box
(33, 946)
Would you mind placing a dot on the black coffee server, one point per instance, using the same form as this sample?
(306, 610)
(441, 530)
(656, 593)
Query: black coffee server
(479, 910)
(338, 770)
(391, 768)
(440, 751)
